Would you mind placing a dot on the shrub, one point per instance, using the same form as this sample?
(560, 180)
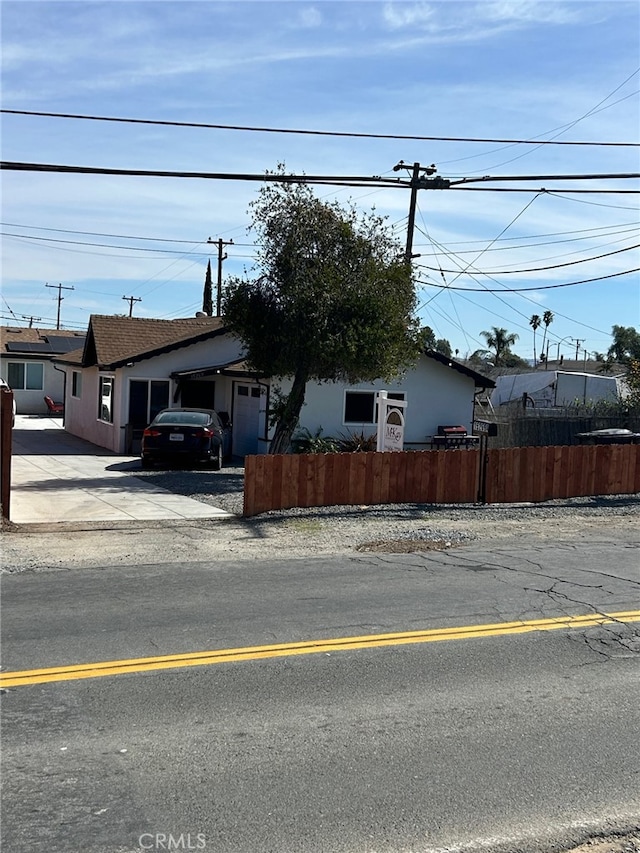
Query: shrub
(306, 442)
(358, 443)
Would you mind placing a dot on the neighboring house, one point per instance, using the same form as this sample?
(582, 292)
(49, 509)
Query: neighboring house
(555, 388)
(132, 367)
(26, 364)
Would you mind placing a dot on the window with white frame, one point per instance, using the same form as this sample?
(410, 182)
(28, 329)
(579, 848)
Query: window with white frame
(25, 375)
(105, 399)
(360, 406)
(76, 383)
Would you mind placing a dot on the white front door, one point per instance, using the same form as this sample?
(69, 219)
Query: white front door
(246, 418)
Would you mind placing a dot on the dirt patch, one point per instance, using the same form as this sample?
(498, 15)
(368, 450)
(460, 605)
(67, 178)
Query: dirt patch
(614, 844)
(404, 546)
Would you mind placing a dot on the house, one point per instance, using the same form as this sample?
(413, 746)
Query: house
(553, 388)
(438, 391)
(132, 367)
(27, 364)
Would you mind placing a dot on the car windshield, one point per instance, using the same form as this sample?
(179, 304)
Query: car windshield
(186, 418)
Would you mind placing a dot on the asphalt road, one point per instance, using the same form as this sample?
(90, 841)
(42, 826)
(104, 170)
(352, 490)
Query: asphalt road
(509, 741)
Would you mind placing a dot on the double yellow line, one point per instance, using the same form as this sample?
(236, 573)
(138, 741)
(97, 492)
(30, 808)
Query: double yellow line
(309, 647)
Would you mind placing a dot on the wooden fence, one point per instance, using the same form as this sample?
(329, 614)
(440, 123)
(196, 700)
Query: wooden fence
(509, 475)
(328, 479)
(542, 473)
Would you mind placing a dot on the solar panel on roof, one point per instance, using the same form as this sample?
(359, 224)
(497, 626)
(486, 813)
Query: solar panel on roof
(53, 345)
(66, 344)
(28, 347)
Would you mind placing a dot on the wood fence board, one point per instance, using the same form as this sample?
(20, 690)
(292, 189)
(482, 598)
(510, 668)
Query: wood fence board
(410, 476)
(385, 477)
(290, 480)
(397, 477)
(302, 480)
(636, 477)
(601, 478)
(588, 462)
(358, 477)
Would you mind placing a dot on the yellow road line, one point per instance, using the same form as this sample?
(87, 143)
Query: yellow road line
(308, 647)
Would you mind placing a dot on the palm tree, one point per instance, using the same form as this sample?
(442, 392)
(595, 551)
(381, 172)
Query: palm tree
(547, 319)
(534, 322)
(499, 340)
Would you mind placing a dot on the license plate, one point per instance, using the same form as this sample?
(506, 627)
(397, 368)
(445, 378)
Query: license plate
(176, 436)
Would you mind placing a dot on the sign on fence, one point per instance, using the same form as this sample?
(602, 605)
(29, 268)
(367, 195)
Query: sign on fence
(390, 423)
(484, 428)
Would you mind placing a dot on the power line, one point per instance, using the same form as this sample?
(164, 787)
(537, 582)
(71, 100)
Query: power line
(345, 181)
(335, 133)
(525, 289)
(624, 227)
(102, 245)
(100, 234)
(538, 269)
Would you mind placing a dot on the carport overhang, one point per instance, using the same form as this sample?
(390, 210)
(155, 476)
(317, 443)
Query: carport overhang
(236, 369)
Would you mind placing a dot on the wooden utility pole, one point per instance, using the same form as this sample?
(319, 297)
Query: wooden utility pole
(419, 181)
(131, 300)
(59, 288)
(31, 319)
(221, 243)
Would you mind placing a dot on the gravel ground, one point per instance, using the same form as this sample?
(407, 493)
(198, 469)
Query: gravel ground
(408, 527)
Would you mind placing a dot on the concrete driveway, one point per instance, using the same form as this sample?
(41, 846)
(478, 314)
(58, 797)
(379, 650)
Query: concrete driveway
(58, 477)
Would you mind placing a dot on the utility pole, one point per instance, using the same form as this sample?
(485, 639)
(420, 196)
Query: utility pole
(131, 300)
(221, 258)
(59, 288)
(418, 182)
(578, 342)
(31, 319)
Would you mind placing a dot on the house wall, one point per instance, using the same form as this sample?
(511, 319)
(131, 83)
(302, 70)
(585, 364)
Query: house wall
(32, 402)
(81, 415)
(435, 394)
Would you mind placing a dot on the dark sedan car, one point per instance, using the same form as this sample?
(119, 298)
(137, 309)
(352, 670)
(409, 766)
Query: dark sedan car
(186, 435)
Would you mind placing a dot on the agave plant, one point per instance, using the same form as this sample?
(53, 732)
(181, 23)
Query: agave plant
(358, 442)
(305, 441)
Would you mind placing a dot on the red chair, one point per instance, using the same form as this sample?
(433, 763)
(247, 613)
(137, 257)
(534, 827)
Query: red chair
(53, 407)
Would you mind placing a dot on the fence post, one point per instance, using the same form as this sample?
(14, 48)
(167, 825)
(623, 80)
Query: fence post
(6, 424)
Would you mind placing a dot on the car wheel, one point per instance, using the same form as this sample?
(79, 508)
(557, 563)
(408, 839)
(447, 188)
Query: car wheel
(145, 463)
(216, 458)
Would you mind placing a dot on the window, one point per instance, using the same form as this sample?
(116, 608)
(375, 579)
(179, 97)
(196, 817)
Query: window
(147, 397)
(360, 406)
(105, 399)
(76, 383)
(26, 376)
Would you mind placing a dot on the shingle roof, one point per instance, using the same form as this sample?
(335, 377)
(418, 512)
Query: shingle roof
(114, 341)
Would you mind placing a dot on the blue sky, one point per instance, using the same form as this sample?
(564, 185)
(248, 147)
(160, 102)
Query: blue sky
(510, 69)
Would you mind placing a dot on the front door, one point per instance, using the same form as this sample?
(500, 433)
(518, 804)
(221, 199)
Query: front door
(246, 419)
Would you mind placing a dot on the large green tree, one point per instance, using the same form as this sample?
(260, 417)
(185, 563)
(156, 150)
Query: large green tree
(626, 345)
(333, 298)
